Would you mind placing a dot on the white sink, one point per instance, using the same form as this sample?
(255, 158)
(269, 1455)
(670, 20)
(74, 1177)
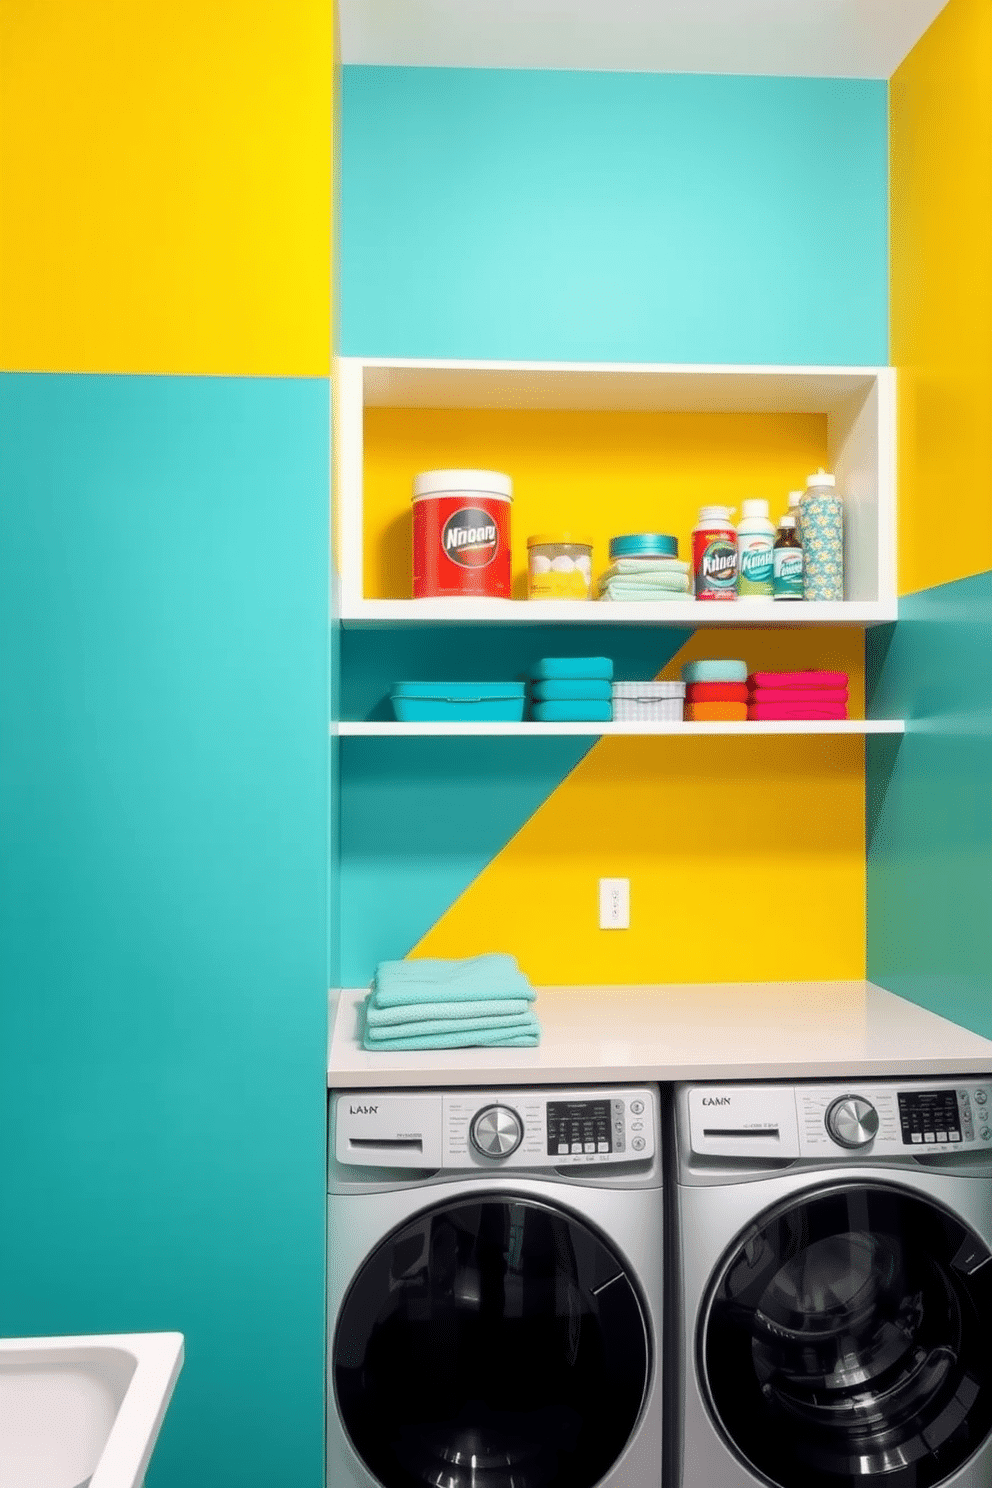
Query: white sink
(87, 1410)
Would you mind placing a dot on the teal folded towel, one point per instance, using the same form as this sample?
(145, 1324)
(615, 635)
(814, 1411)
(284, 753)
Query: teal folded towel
(573, 712)
(550, 667)
(442, 1004)
(636, 567)
(715, 671)
(431, 979)
(384, 1019)
(460, 1041)
(431, 1026)
(590, 690)
(679, 582)
(619, 589)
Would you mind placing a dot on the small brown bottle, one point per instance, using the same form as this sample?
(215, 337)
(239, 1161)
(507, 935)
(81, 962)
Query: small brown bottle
(787, 562)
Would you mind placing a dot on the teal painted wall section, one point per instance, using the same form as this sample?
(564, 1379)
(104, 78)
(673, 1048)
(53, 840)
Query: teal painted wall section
(613, 216)
(930, 803)
(334, 815)
(421, 818)
(163, 880)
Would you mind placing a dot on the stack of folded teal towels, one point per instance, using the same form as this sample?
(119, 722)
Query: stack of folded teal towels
(664, 578)
(434, 1004)
(572, 689)
(645, 565)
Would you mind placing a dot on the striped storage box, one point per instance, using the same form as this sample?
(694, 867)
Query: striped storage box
(648, 702)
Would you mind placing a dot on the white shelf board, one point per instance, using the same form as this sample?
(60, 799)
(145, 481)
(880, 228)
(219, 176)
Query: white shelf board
(688, 613)
(652, 387)
(392, 730)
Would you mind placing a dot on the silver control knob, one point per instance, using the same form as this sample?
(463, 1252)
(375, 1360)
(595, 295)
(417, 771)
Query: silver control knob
(496, 1131)
(852, 1121)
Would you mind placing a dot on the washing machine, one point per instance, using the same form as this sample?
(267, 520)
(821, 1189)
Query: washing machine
(831, 1282)
(495, 1289)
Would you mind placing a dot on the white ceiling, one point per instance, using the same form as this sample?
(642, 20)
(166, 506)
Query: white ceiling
(802, 38)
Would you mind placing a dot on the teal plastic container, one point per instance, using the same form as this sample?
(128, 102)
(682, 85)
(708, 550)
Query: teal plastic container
(469, 702)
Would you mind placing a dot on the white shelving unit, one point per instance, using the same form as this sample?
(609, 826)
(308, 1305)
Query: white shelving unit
(859, 404)
(369, 613)
(389, 730)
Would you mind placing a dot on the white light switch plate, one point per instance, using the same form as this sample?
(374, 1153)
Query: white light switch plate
(614, 904)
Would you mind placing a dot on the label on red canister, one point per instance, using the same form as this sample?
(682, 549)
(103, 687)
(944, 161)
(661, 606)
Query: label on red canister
(461, 546)
(714, 562)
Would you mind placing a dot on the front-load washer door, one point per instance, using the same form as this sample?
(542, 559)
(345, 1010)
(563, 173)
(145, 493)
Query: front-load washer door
(491, 1342)
(846, 1340)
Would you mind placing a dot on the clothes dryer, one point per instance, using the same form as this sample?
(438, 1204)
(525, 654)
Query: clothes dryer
(831, 1249)
(495, 1289)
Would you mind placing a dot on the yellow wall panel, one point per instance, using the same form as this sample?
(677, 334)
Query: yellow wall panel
(600, 473)
(745, 860)
(166, 179)
(745, 856)
(941, 296)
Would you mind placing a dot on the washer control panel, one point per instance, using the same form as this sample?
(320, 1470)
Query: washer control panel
(894, 1118)
(549, 1128)
(521, 1128)
(606, 1125)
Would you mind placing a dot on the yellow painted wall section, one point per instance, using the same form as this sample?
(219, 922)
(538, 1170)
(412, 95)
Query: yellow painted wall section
(166, 180)
(746, 857)
(941, 296)
(595, 473)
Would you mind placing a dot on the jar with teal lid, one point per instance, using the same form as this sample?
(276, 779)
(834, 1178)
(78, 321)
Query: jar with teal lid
(644, 545)
(645, 566)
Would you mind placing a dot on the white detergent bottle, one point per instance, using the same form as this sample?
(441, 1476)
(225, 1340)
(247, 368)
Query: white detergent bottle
(755, 546)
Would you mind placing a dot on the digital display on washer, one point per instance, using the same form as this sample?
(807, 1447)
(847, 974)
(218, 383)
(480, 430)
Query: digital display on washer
(576, 1127)
(929, 1117)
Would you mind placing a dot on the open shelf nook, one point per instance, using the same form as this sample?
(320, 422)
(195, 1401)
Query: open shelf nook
(856, 405)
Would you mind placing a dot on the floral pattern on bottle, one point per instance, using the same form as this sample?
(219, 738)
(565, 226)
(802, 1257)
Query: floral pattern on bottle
(823, 545)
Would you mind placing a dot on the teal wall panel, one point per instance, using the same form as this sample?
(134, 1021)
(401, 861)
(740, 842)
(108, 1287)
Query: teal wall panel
(163, 882)
(421, 818)
(613, 216)
(930, 803)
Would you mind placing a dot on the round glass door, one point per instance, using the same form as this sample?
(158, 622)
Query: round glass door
(492, 1342)
(846, 1341)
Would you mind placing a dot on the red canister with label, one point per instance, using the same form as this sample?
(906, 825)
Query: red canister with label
(461, 534)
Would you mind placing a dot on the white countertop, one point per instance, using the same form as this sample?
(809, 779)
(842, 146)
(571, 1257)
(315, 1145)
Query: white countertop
(701, 1031)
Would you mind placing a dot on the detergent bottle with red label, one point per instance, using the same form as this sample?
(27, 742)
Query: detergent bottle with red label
(714, 554)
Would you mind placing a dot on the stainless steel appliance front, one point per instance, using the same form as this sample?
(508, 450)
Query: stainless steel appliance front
(832, 1249)
(494, 1299)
